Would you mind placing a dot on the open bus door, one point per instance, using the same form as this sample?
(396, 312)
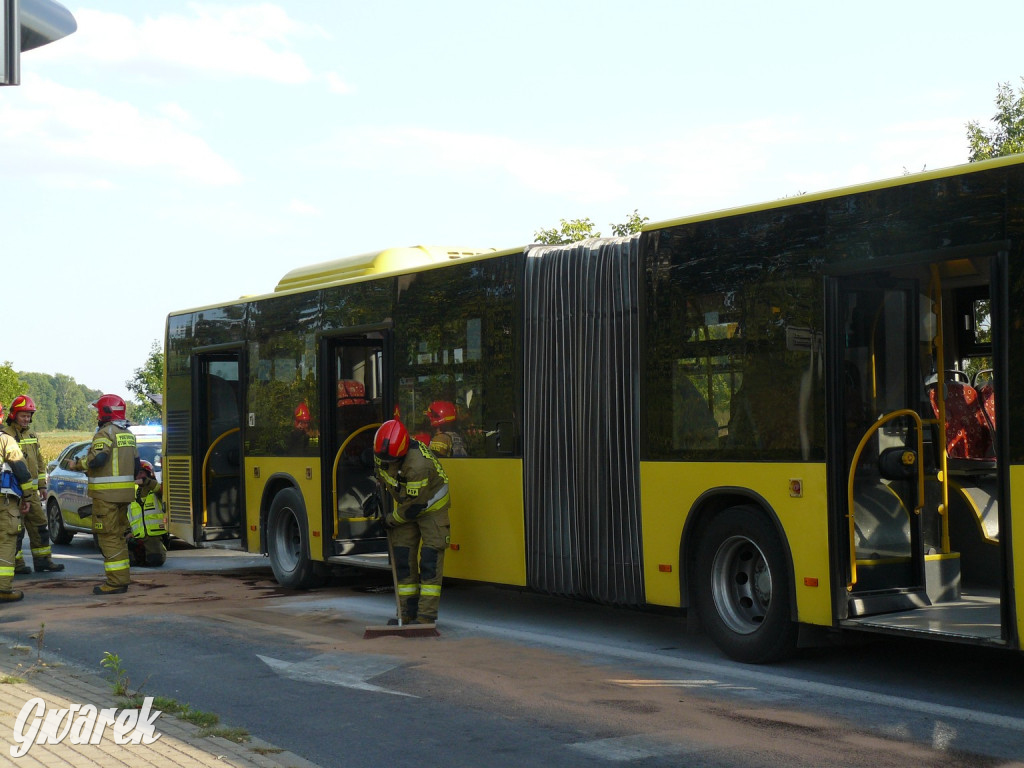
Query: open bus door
(354, 403)
(916, 510)
(217, 428)
(881, 445)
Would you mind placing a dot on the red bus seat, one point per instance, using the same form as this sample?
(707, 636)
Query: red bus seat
(968, 434)
(987, 393)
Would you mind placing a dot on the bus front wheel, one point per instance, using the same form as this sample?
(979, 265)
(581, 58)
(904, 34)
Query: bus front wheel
(743, 592)
(287, 544)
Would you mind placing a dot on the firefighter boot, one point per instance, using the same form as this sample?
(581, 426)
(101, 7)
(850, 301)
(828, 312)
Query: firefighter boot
(20, 566)
(110, 589)
(45, 564)
(11, 595)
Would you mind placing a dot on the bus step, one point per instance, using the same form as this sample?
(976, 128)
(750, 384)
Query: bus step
(377, 560)
(888, 601)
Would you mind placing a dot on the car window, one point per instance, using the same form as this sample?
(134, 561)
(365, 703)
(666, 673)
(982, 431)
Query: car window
(152, 452)
(83, 451)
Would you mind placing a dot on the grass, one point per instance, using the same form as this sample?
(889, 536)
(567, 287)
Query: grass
(52, 443)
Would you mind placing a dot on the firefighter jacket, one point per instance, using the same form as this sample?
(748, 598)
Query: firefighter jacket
(418, 485)
(111, 463)
(445, 444)
(13, 470)
(146, 513)
(28, 441)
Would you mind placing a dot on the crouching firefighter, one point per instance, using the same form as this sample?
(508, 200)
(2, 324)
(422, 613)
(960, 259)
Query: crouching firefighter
(19, 426)
(417, 522)
(13, 474)
(146, 520)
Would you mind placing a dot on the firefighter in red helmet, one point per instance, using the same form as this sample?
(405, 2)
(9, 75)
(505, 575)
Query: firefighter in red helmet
(19, 426)
(111, 465)
(417, 521)
(445, 441)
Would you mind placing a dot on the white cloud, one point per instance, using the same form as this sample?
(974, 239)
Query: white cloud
(245, 41)
(303, 208)
(175, 112)
(335, 84)
(60, 133)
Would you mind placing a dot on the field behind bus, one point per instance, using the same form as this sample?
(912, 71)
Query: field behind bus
(52, 443)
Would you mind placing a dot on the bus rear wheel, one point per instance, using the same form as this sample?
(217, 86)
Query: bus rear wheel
(743, 593)
(287, 544)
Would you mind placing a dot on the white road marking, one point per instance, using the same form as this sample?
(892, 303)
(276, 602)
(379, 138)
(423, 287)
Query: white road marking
(628, 748)
(346, 670)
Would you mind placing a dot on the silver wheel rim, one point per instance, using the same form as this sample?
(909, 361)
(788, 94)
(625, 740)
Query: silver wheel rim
(288, 542)
(741, 584)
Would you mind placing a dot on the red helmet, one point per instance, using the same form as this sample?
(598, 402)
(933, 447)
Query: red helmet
(1, 410)
(21, 403)
(147, 468)
(422, 437)
(441, 412)
(109, 407)
(302, 417)
(391, 441)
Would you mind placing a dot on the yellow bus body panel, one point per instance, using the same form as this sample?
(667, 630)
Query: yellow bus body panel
(296, 468)
(488, 534)
(1017, 545)
(670, 489)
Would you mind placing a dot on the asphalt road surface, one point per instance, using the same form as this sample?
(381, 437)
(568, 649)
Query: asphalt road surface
(516, 679)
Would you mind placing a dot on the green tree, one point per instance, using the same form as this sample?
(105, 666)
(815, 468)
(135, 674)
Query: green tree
(574, 230)
(570, 231)
(10, 385)
(40, 387)
(148, 382)
(633, 224)
(1007, 135)
(72, 404)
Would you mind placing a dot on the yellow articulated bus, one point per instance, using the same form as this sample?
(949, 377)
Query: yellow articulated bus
(785, 416)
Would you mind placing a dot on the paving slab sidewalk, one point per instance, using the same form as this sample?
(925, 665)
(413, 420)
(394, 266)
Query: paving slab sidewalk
(27, 676)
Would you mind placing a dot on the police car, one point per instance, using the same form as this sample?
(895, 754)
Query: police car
(68, 506)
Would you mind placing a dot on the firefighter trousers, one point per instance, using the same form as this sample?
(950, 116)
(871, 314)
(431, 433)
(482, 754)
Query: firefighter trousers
(10, 527)
(419, 547)
(110, 524)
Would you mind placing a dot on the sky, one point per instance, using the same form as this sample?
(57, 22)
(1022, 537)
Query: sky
(176, 154)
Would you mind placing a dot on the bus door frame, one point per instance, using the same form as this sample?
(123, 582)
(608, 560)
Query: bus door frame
(328, 342)
(839, 283)
(201, 357)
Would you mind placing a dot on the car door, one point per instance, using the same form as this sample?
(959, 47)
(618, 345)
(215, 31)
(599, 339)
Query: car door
(76, 494)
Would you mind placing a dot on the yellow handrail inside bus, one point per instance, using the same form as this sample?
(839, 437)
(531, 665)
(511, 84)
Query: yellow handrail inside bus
(206, 462)
(940, 401)
(882, 420)
(334, 472)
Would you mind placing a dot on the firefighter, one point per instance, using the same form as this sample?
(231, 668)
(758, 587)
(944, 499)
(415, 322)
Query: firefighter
(146, 520)
(444, 442)
(13, 472)
(18, 426)
(111, 464)
(418, 488)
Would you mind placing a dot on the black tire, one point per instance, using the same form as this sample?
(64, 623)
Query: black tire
(287, 545)
(743, 587)
(58, 533)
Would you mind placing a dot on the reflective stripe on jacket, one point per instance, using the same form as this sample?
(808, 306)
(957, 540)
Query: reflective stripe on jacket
(114, 479)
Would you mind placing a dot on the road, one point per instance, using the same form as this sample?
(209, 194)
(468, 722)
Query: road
(516, 679)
